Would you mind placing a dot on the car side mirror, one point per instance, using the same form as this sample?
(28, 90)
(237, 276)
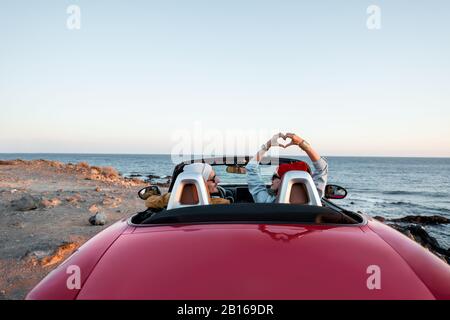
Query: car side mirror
(149, 191)
(335, 192)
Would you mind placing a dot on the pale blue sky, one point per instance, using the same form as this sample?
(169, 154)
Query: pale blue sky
(137, 70)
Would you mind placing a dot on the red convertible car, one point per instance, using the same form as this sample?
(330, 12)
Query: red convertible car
(285, 250)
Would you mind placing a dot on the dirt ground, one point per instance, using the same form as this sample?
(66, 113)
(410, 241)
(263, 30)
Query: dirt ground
(45, 208)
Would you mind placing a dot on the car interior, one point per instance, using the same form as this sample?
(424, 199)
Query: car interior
(297, 187)
(297, 201)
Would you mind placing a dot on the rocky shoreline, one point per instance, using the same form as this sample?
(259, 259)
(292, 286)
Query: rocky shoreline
(412, 227)
(48, 209)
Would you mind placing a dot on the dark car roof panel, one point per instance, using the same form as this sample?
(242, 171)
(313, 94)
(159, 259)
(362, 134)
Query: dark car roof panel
(251, 213)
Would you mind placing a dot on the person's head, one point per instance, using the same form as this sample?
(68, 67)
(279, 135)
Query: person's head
(208, 174)
(282, 169)
(212, 182)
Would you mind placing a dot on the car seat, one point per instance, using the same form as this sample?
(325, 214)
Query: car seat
(297, 187)
(189, 190)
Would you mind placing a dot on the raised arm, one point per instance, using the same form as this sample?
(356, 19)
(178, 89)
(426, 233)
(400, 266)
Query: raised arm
(320, 173)
(256, 185)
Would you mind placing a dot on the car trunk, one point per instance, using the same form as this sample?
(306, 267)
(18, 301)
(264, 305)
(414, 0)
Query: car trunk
(251, 261)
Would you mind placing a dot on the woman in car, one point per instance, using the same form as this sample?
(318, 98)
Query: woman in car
(256, 185)
(211, 181)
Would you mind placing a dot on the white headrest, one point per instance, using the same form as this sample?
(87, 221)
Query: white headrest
(186, 178)
(204, 169)
(293, 177)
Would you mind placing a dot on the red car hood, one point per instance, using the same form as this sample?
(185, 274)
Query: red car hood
(250, 261)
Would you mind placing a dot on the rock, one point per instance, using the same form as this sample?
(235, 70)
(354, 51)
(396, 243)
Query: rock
(403, 230)
(420, 235)
(112, 202)
(96, 170)
(56, 164)
(98, 189)
(26, 203)
(74, 199)
(134, 181)
(99, 219)
(50, 203)
(151, 177)
(410, 227)
(82, 166)
(36, 256)
(94, 209)
(62, 251)
(48, 257)
(7, 162)
(110, 172)
(423, 219)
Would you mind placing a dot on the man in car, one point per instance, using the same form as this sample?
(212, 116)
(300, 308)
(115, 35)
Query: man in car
(211, 181)
(256, 185)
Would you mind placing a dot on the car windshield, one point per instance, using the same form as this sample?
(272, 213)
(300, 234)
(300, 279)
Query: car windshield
(239, 178)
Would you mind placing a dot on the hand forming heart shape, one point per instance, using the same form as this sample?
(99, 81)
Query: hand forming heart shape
(284, 141)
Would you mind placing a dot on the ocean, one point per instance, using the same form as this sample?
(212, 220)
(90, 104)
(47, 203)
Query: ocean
(388, 187)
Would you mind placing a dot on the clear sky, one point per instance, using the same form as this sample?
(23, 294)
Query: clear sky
(137, 71)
